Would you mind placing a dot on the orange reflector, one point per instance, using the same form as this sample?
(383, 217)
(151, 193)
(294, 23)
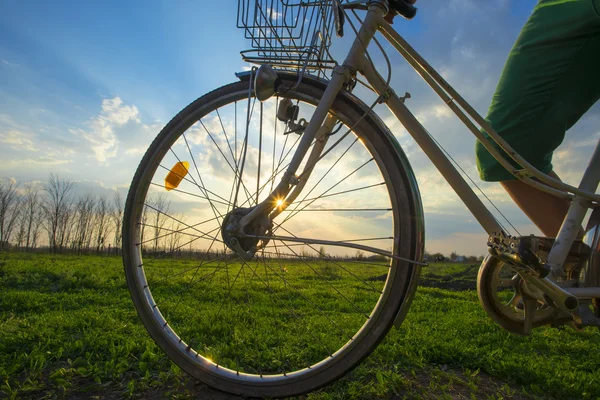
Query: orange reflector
(176, 175)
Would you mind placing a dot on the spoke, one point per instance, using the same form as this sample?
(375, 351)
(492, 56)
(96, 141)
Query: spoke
(231, 191)
(175, 219)
(305, 326)
(281, 169)
(304, 297)
(339, 265)
(225, 202)
(230, 287)
(329, 259)
(234, 170)
(347, 240)
(293, 214)
(167, 253)
(245, 148)
(172, 232)
(226, 138)
(260, 135)
(328, 283)
(274, 141)
(202, 188)
(235, 133)
(320, 180)
(330, 149)
(197, 171)
(281, 158)
(191, 269)
(227, 279)
(273, 177)
(190, 284)
(339, 209)
(338, 193)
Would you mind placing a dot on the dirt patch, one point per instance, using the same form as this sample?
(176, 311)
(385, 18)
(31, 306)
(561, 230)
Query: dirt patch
(461, 280)
(457, 281)
(440, 381)
(448, 282)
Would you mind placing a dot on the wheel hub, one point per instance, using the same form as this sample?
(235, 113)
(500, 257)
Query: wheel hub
(244, 241)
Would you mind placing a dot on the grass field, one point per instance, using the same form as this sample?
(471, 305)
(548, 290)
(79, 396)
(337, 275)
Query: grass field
(68, 329)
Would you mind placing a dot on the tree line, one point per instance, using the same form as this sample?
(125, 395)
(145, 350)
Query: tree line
(52, 217)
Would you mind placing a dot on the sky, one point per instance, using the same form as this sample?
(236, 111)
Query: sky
(85, 87)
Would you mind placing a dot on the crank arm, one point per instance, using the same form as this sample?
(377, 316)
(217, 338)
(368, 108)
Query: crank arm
(339, 244)
(559, 297)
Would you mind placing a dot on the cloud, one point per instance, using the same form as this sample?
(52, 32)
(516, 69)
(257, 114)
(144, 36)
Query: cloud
(18, 141)
(571, 159)
(100, 132)
(136, 151)
(8, 63)
(37, 162)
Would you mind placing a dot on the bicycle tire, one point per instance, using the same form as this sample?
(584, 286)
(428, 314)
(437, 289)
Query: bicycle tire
(204, 362)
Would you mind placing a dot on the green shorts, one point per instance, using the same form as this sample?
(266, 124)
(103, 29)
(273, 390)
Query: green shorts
(551, 78)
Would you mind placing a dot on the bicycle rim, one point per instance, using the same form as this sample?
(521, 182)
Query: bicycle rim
(296, 315)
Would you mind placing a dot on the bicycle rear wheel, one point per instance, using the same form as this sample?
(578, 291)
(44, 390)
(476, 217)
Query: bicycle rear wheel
(297, 315)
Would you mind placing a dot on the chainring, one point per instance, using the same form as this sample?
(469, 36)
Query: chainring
(504, 296)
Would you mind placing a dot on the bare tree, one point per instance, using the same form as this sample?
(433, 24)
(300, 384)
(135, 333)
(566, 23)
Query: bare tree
(83, 223)
(102, 223)
(9, 210)
(117, 218)
(160, 209)
(174, 234)
(65, 227)
(34, 234)
(145, 215)
(31, 214)
(57, 211)
(20, 232)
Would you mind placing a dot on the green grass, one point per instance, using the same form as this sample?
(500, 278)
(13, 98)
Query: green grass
(68, 329)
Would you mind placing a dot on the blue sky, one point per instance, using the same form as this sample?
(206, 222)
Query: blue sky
(85, 86)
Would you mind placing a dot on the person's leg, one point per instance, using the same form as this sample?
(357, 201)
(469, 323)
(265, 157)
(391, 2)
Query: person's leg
(547, 212)
(549, 81)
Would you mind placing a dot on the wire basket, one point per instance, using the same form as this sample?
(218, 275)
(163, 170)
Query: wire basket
(288, 34)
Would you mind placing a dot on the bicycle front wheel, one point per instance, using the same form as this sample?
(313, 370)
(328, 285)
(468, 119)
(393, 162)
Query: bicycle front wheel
(298, 314)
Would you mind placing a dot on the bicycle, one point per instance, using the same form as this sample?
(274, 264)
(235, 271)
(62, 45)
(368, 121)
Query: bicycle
(256, 300)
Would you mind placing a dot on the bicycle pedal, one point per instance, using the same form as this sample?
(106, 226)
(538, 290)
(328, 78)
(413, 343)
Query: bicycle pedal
(519, 252)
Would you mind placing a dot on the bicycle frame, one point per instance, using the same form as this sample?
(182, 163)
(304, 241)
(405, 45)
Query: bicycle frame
(582, 197)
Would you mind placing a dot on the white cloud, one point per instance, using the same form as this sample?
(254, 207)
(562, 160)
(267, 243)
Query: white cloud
(136, 151)
(571, 159)
(37, 162)
(115, 112)
(17, 140)
(101, 129)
